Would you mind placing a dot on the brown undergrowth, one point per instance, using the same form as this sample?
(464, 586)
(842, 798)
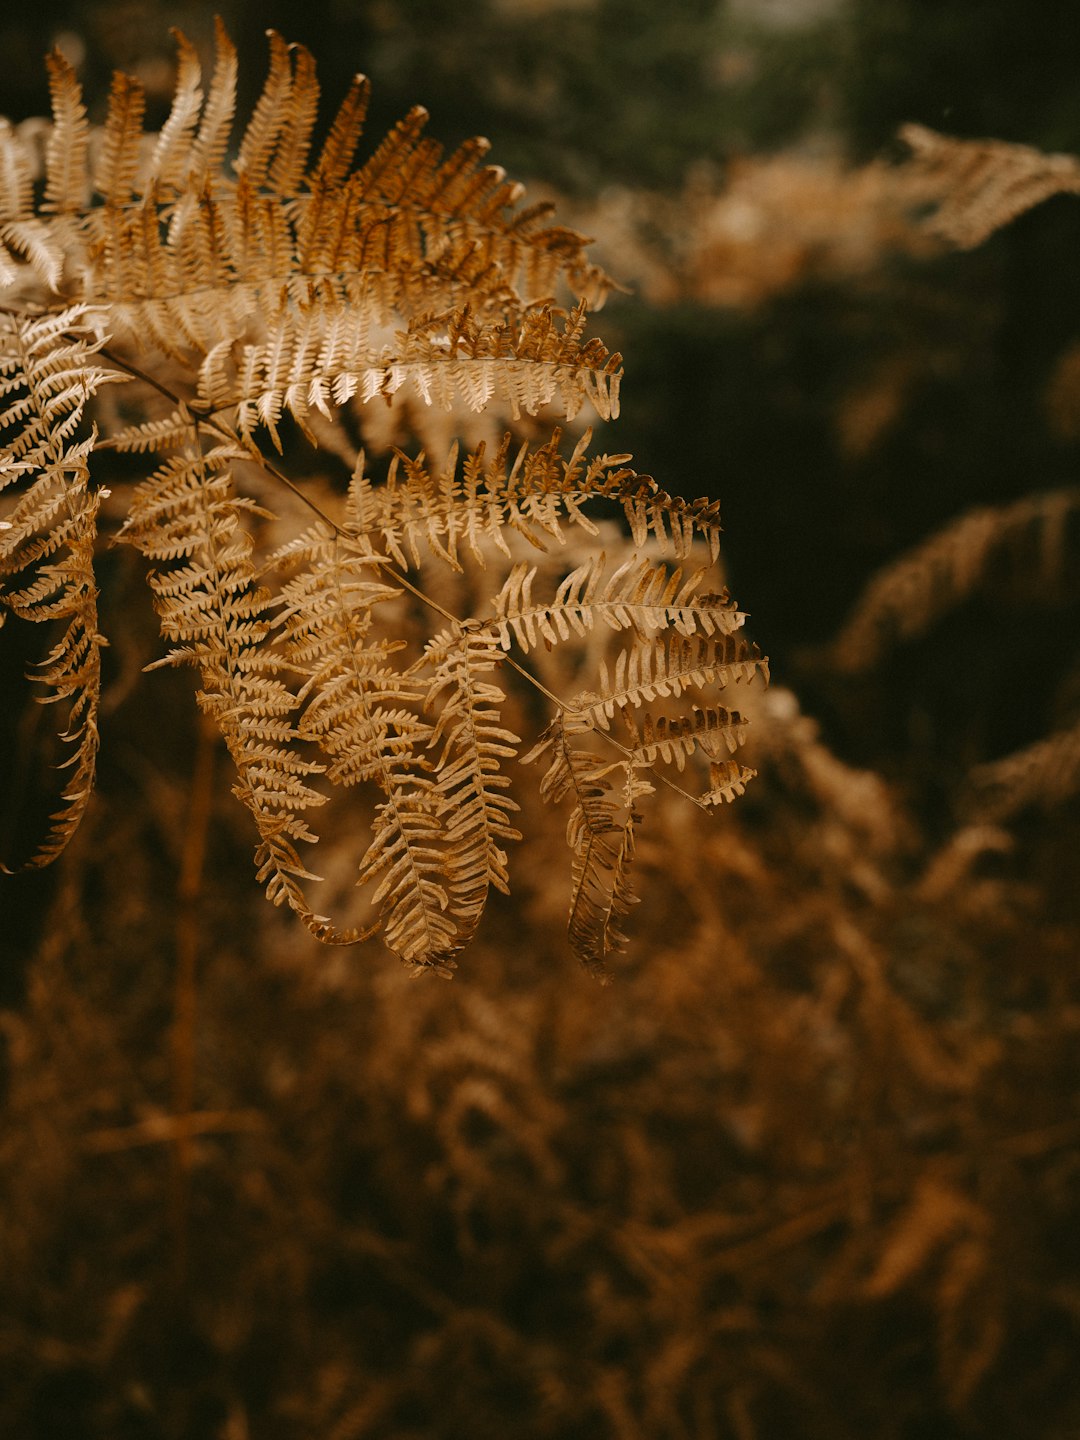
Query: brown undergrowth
(802, 1171)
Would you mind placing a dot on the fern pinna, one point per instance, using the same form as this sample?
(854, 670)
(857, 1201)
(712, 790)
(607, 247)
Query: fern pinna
(229, 295)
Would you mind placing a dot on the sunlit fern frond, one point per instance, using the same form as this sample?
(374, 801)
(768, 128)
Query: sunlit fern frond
(364, 713)
(189, 254)
(715, 731)
(664, 666)
(356, 704)
(443, 821)
(727, 780)
(48, 528)
(67, 176)
(639, 595)
(533, 492)
(114, 176)
(447, 510)
(405, 863)
(187, 518)
(317, 360)
(25, 238)
(281, 287)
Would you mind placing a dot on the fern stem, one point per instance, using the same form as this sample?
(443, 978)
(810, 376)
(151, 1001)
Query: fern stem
(137, 374)
(185, 996)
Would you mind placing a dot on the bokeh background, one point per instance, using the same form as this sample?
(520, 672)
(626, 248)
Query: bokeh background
(810, 1166)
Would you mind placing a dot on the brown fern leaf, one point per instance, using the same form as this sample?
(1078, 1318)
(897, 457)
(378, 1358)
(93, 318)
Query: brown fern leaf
(639, 595)
(664, 666)
(66, 177)
(215, 124)
(23, 237)
(676, 522)
(290, 158)
(356, 704)
(172, 157)
(1043, 775)
(362, 712)
(270, 118)
(714, 730)
(115, 177)
(288, 287)
(984, 184)
(16, 175)
(600, 833)
(216, 617)
(338, 150)
(405, 863)
(727, 780)
(48, 373)
(406, 234)
(318, 359)
(603, 893)
(421, 507)
(471, 786)
(530, 493)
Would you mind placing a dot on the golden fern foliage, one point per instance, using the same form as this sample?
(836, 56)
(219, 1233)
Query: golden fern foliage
(236, 297)
(49, 372)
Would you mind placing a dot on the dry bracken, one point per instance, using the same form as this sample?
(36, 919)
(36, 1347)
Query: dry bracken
(242, 300)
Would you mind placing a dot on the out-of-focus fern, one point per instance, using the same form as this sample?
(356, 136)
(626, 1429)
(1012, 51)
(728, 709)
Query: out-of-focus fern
(979, 187)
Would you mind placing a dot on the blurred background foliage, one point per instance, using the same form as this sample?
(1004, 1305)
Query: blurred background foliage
(811, 1168)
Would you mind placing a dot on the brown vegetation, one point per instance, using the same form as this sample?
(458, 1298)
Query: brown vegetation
(807, 1169)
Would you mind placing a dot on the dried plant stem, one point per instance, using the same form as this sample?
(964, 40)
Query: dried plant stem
(185, 997)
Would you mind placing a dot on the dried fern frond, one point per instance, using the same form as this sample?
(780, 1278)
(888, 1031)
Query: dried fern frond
(405, 862)
(290, 284)
(600, 833)
(471, 786)
(714, 731)
(315, 361)
(281, 219)
(66, 172)
(428, 508)
(48, 373)
(532, 494)
(363, 713)
(187, 517)
(984, 184)
(666, 665)
(639, 595)
(25, 239)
